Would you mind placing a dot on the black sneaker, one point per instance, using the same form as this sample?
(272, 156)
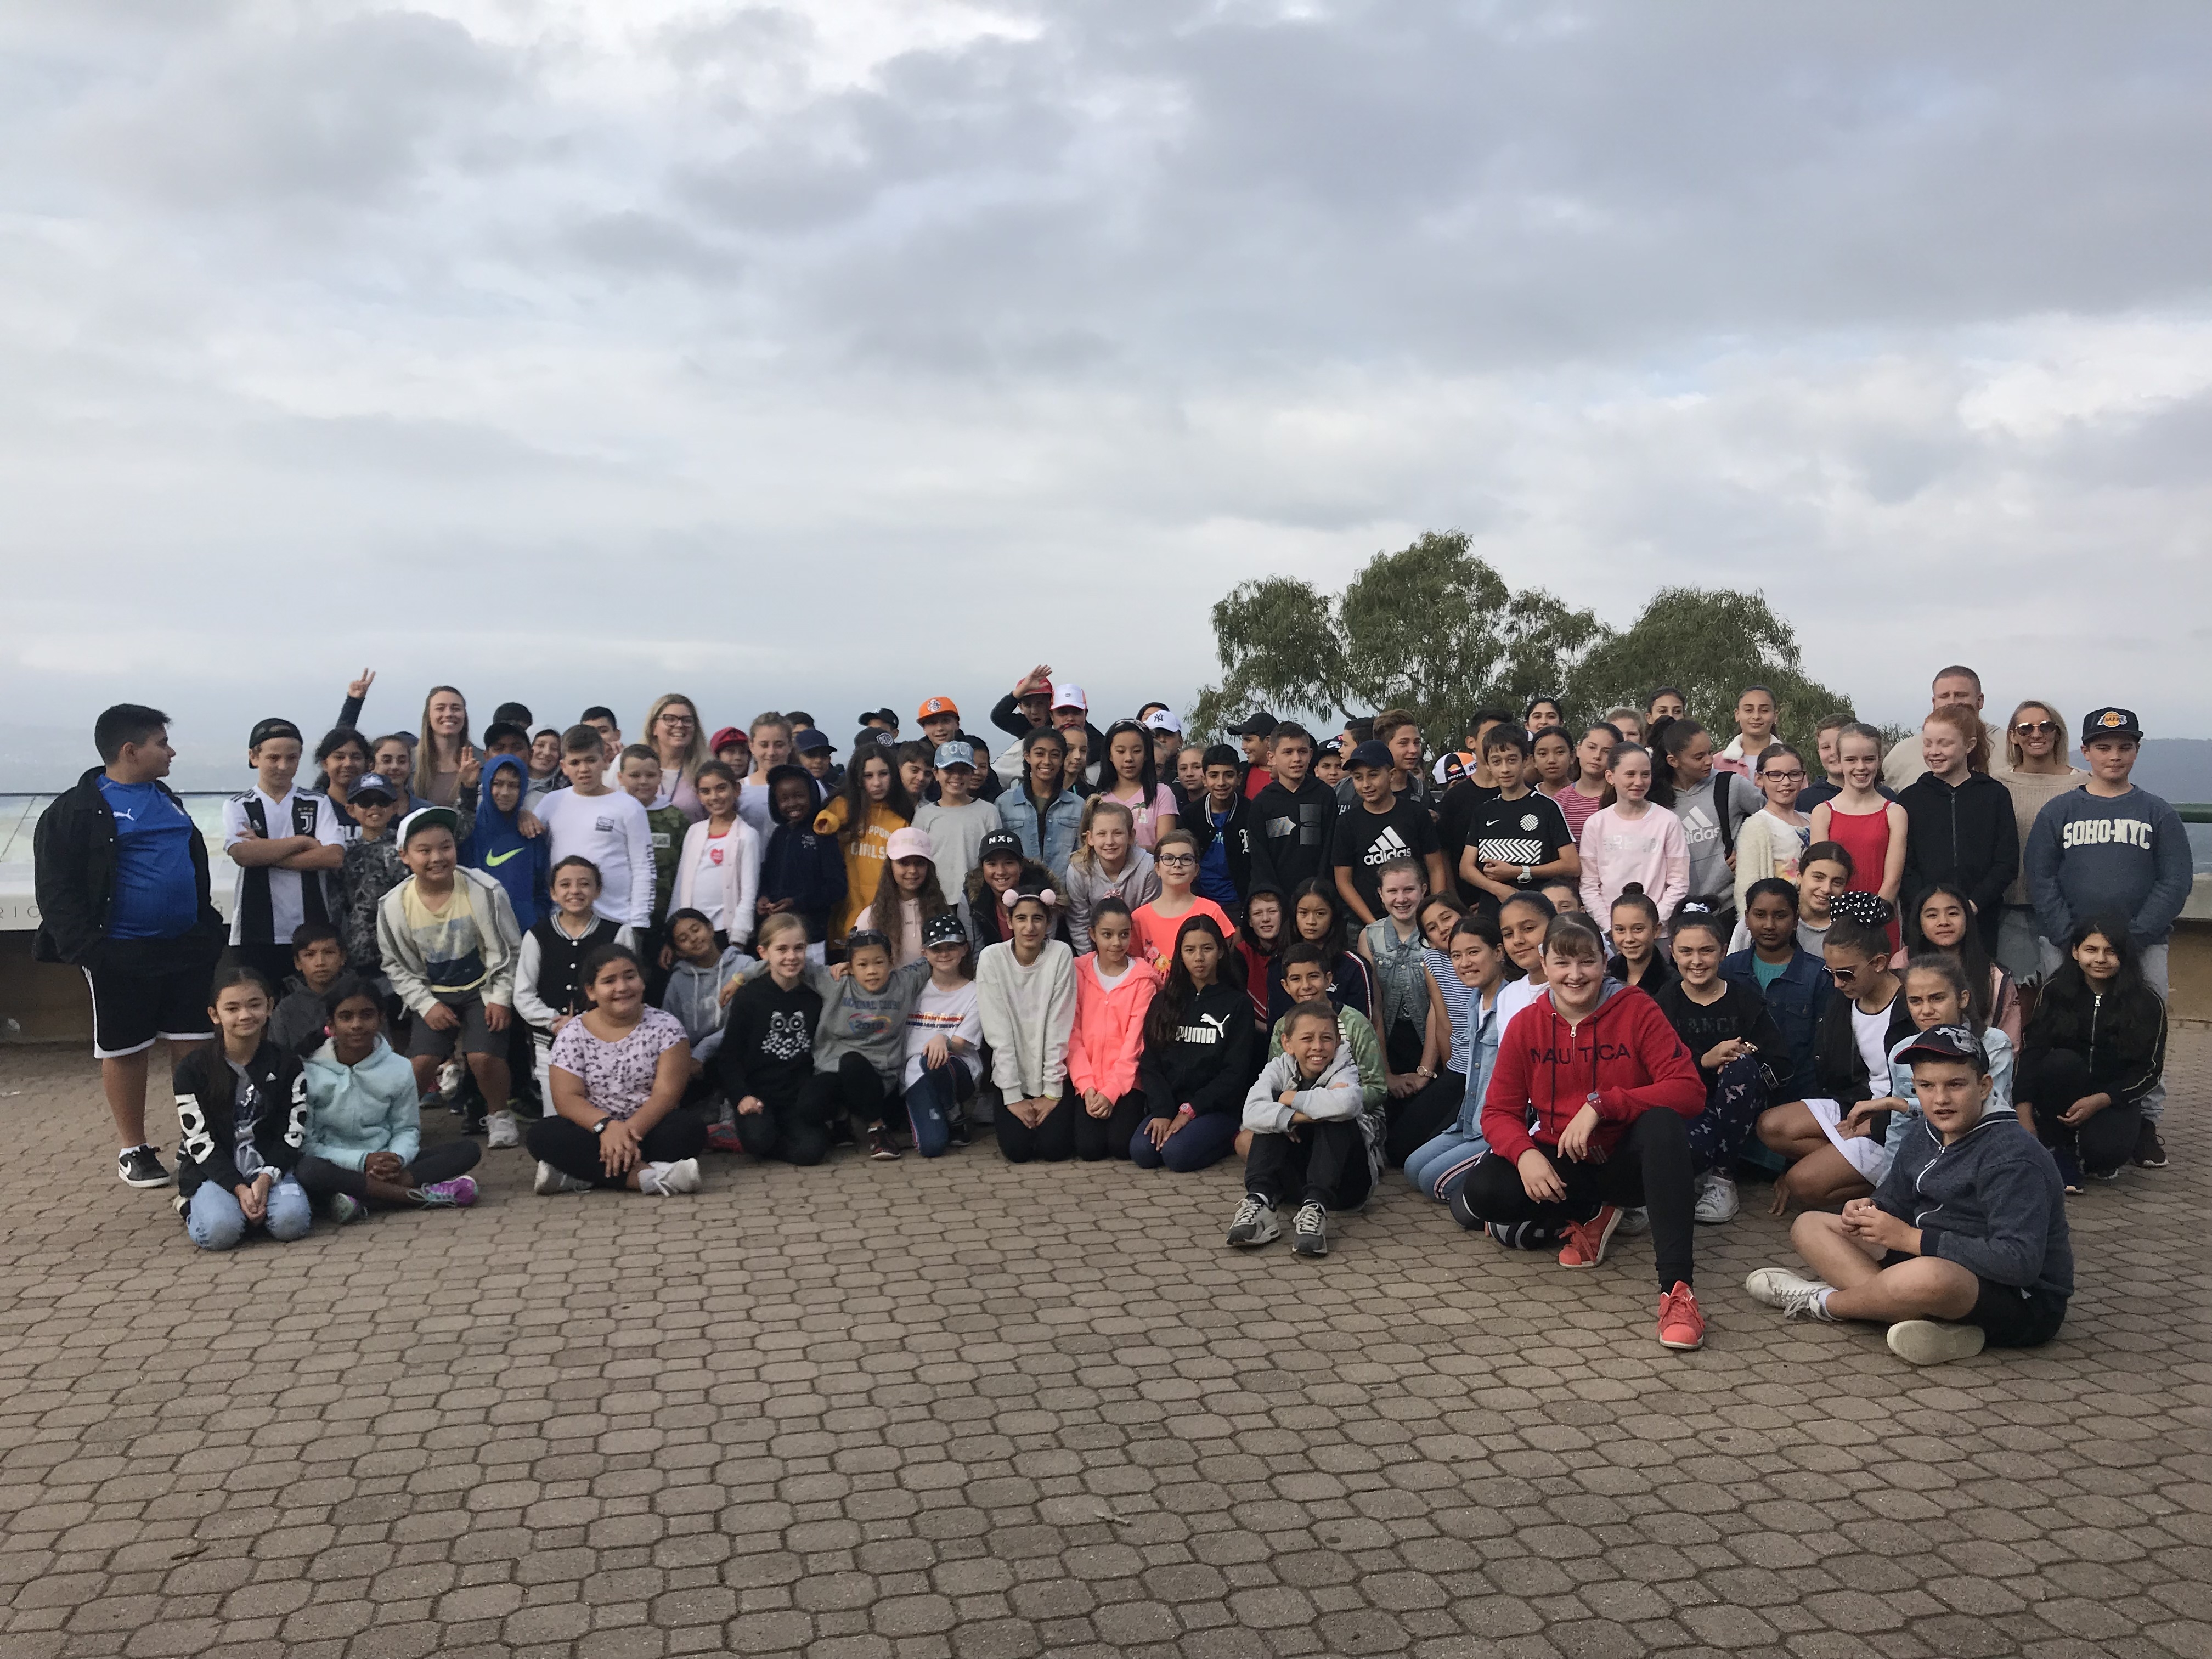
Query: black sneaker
(957, 1132)
(1463, 1212)
(879, 1145)
(2150, 1151)
(141, 1166)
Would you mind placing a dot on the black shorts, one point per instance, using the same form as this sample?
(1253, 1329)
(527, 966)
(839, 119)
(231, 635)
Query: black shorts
(2011, 1317)
(147, 988)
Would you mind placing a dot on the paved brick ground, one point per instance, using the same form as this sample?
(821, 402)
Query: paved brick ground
(962, 1411)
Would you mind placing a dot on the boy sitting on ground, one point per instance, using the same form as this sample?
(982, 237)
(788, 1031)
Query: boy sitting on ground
(1312, 1136)
(1952, 1253)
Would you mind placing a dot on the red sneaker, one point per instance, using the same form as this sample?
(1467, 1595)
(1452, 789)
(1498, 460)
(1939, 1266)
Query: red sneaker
(1586, 1240)
(723, 1138)
(1680, 1325)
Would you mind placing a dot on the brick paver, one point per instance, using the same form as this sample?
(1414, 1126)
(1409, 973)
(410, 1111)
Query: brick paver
(963, 1411)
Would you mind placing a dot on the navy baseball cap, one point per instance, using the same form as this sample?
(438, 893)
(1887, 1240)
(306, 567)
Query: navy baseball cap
(1373, 752)
(2111, 723)
(807, 741)
(371, 790)
(1947, 1043)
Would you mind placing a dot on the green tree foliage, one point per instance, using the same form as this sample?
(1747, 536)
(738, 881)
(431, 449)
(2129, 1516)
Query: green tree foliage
(1431, 627)
(1711, 644)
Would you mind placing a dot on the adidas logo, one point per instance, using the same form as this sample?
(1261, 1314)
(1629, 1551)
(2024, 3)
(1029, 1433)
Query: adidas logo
(1388, 845)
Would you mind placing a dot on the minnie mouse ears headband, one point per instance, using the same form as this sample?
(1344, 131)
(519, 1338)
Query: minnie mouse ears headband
(1043, 896)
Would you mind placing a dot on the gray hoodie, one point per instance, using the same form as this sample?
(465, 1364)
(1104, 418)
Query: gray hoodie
(1138, 884)
(693, 996)
(1709, 875)
(1992, 1201)
(2117, 855)
(1334, 1097)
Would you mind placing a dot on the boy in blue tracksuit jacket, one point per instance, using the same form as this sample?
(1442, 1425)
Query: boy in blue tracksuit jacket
(521, 864)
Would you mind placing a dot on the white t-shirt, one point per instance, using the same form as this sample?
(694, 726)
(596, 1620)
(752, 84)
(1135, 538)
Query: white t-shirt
(1868, 1031)
(707, 889)
(612, 831)
(1514, 997)
(938, 1013)
(287, 908)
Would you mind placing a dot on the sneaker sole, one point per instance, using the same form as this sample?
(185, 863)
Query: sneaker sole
(144, 1185)
(1253, 1241)
(1681, 1346)
(1310, 1247)
(1928, 1342)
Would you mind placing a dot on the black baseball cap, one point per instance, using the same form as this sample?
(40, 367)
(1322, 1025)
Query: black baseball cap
(2111, 723)
(1373, 752)
(943, 928)
(264, 730)
(1258, 724)
(999, 844)
(372, 789)
(1947, 1043)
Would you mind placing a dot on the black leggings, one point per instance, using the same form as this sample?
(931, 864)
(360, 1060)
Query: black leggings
(1649, 1166)
(853, 1093)
(1325, 1164)
(2052, 1079)
(442, 1162)
(575, 1150)
(1097, 1138)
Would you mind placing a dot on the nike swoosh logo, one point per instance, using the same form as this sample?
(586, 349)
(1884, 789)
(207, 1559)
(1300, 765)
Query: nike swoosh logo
(493, 860)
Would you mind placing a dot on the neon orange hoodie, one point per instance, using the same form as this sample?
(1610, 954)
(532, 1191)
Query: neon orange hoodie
(1103, 1049)
(1624, 1052)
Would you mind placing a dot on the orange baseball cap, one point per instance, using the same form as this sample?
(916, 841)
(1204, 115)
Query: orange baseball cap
(936, 706)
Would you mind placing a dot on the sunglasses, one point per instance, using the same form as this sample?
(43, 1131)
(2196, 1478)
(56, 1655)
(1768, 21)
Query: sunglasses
(2035, 728)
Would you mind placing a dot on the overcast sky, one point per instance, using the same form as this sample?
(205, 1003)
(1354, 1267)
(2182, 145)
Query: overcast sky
(852, 352)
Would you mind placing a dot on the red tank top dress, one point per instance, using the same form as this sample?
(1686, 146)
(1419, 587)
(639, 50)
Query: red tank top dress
(1865, 836)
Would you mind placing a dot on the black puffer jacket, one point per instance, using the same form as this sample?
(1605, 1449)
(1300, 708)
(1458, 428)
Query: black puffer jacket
(206, 1114)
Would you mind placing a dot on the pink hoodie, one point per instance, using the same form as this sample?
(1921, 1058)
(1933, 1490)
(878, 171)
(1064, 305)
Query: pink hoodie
(1616, 851)
(1109, 1026)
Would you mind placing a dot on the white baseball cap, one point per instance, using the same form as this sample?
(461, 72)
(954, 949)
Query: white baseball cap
(1161, 721)
(1068, 694)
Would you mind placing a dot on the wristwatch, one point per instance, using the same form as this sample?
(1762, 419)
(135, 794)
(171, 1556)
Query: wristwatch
(601, 1127)
(1525, 873)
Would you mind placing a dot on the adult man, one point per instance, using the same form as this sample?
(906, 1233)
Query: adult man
(2110, 849)
(1955, 684)
(122, 894)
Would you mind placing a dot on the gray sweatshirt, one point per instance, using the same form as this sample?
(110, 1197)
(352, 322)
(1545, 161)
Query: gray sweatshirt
(1992, 1202)
(1028, 1014)
(2094, 855)
(1709, 875)
(1138, 884)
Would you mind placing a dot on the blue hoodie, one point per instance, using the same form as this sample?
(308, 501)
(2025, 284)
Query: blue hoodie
(521, 864)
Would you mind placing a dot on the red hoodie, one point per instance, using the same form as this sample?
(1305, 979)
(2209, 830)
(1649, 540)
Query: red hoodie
(1625, 1051)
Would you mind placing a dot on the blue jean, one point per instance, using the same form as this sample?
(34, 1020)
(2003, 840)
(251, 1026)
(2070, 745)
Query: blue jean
(216, 1221)
(1437, 1166)
(931, 1100)
(1199, 1144)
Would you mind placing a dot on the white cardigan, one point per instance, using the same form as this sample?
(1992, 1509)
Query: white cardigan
(740, 878)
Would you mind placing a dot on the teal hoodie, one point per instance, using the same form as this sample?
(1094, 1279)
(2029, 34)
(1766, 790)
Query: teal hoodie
(355, 1110)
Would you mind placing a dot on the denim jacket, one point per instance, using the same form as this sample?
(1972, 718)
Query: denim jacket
(1055, 845)
(1482, 1058)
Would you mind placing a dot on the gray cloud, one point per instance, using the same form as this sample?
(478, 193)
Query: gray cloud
(687, 331)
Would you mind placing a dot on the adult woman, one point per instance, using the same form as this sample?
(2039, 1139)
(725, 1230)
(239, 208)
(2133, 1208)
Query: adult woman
(1200, 1056)
(2095, 1047)
(1025, 995)
(1573, 1145)
(1042, 812)
(446, 763)
(343, 756)
(617, 1074)
(868, 809)
(671, 729)
(2036, 769)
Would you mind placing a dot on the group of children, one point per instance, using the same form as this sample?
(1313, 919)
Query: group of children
(1575, 979)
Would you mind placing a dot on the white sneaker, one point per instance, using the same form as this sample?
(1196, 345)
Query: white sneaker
(1253, 1223)
(1634, 1222)
(551, 1181)
(500, 1129)
(1933, 1341)
(1717, 1199)
(449, 1078)
(1798, 1296)
(662, 1179)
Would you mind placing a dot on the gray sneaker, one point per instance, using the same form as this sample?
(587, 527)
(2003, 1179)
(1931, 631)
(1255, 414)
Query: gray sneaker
(1634, 1222)
(659, 1180)
(1717, 1199)
(1796, 1295)
(1253, 1223)
(1310, 1230)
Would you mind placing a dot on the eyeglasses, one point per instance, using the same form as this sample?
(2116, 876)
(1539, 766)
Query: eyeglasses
(2035, 728)
(1176, 859)
(1777, 774)
(678, 719)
